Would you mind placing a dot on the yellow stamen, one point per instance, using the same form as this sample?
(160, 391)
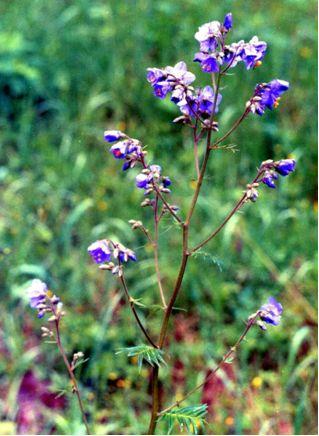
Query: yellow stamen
(49, 294)
(257, 64)
(276, 104)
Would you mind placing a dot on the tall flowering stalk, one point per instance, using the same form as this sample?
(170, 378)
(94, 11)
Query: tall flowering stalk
(198, 112)
(199, 108)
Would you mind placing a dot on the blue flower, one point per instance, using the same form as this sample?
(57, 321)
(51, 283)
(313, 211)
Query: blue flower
(271, 312)
(253, 52)
(142, 180)
(267, 95)
(285, 166)
(200, 103)
(123, 254)
(210, 63)
(268, 179)
(228, 21)
(113, 135)
(37, 293)
(42, 299)
(168, 79)
(100, 251)
(208, 35)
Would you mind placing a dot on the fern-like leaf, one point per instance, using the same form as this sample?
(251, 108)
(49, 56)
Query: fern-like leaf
(146, 353)
(191, 418)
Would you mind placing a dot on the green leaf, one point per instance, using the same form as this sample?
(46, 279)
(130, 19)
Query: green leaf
(150, 354)
(191, 418)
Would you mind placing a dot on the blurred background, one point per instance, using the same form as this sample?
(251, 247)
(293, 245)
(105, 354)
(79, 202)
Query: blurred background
(68, 71)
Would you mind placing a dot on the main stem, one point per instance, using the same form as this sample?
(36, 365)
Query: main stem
(71, 374)
(185, 256)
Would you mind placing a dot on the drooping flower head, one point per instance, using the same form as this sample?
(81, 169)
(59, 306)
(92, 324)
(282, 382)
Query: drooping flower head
(152, 174)
(113, 135)
(105, 250)
(269, 178)
(282, 167)
(41, 298)
(285, 166)
(124, 148)
(267, 95)
(100, 251)
(271, 312)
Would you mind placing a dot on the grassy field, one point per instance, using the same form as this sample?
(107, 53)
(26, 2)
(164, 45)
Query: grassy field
(70, 70)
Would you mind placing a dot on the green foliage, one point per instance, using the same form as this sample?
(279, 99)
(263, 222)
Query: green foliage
(191, 418)
(152, 355)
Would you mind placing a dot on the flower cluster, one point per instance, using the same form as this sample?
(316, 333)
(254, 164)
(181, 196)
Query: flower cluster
(152, 174)
(170, 79)
(282, 167)
(124, 148)
(270, 313)
(104, 250)
(267, 95)
(201, 103)
(214, 52)
(42, 299)
(131, 150)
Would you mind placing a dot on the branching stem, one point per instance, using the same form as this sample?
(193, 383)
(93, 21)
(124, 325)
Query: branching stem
(132, 306)
(212, 373)
(75, 387)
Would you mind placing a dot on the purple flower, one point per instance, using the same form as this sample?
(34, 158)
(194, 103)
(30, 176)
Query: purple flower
(208, 36)
(267, 95)
(253, 52)
(113, 135)
(168, 79)
(271, 312)
(142, 180)
(166, 182)
(155, 75)
(269, 178)
(201, 103)
(285, 166)
(37, 293)
(100, 251)
(228, 21)
(123, 254)
(119, 150)
(208, 62)
(42, 299)
(179, 74)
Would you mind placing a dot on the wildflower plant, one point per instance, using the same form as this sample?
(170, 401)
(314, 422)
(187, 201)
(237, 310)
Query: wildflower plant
(199, 108)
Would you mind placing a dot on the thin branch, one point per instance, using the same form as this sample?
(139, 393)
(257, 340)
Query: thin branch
(220, 227)
(237, 206)
(233, 127)
(166, 204)
(230, 352)
(69, 369)
(156, 259)
(195, 139)
(131, 303)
